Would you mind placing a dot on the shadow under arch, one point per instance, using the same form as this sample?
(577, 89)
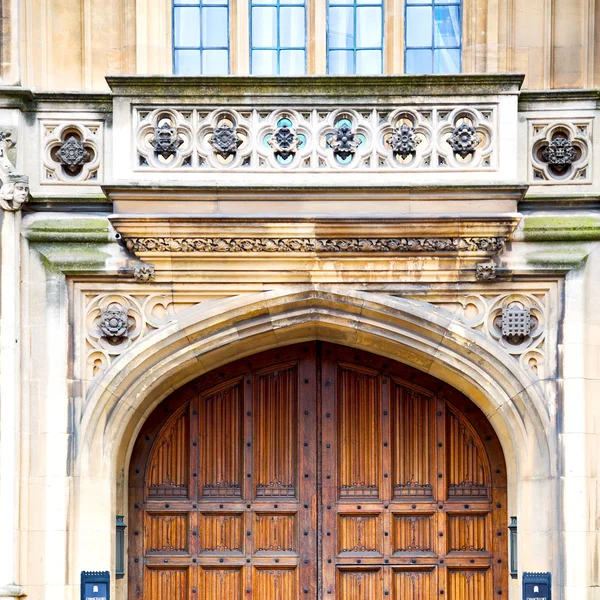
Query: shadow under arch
(409, 331)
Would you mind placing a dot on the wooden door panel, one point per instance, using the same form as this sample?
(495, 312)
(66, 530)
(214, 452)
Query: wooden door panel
(360, 584)
(359, 411)
(359, 534)
(317, 471)
(168, 471)
(221, 427)
(414, 584)
(276, 432)
(221, 533)
(412, 533)
(275, 583)
(166, 532)
(167, 584)
(413, 446)
(221, 583)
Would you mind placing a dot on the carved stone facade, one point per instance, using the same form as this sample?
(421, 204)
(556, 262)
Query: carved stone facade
(174, 226)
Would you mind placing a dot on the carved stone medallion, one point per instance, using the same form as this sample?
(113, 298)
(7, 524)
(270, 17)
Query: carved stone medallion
(284, 141)
(403, 141)
(225, 140)
(166, 140)
(114, 323)
(72, 154)
(559, 152)
(464, 140)
(344, 141)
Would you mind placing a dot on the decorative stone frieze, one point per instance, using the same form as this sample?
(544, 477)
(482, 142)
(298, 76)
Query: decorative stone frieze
(560, 151)
(72, 151)
(14, 190)
(196, 139)
(336, 245)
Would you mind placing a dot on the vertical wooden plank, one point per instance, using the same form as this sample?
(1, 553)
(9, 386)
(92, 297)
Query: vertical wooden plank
(387, 493)
(248, 495)
(329, 478)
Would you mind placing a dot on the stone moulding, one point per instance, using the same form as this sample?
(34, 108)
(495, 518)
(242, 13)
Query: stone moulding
(336, 245)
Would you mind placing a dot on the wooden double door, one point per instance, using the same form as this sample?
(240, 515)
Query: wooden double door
(317, 471)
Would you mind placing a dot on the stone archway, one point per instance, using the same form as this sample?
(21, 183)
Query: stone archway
(412, 332)
(322, 470)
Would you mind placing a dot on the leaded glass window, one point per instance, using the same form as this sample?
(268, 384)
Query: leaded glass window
(201, 37)
(278, 37)
(433, 36)
(355, 37)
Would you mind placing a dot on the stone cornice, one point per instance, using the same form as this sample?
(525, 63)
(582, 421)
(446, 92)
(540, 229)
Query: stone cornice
(408, 235)
(370, 89)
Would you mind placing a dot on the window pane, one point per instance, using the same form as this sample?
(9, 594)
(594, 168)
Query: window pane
(215, 62)
(418, 26)
(341, 27)
(264, 27)
(368, 62)
(188, 2)
(446, 61)
(447, 26)
(187, 62)
(418, 1)
(264, 62)
(214, 28)
(368, 27)
(291, 27)
(292, 62)
(418, 61)
(187, 27)
(341, 62)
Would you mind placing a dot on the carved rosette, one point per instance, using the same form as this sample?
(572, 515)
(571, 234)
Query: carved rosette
(560, 152)
(114, 323)
(284, 141)
(72, 151)
(224, 140)
(164, 139)
(345, 140)
(465, 138)
(485, 271)
(406, 136)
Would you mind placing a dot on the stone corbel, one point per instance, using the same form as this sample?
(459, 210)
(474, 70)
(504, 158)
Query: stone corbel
(14, 190)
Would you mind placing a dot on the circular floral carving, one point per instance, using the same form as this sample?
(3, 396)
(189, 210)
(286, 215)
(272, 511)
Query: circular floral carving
(464, 140)
(344, 141)
(403, 141)
(225, 140)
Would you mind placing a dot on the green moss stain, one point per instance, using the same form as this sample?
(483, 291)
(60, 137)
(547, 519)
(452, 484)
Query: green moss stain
(88, 229)
(562, 229)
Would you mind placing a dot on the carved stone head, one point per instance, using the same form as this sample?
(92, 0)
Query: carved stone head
(14, 192)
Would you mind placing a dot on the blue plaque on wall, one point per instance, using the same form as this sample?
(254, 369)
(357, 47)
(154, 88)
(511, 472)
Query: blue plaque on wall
(537, 585)
(95, 585)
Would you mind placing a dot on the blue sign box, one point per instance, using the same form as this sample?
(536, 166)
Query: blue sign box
(95, 585)
(537, 586)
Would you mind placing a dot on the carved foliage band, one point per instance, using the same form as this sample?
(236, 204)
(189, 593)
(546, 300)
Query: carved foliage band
(400, 245)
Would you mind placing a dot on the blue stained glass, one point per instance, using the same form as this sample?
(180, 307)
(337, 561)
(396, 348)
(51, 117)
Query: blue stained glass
(433, 36)
(201, 37)
(355, 37)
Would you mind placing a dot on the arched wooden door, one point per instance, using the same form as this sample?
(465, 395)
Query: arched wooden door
(317, 471)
